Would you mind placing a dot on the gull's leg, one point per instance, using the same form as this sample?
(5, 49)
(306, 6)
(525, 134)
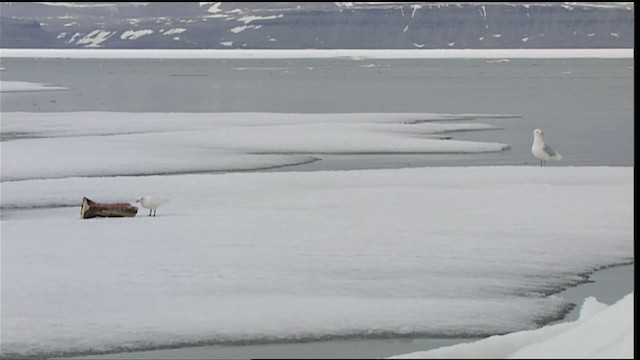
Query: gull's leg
(149, 212)
(154, 212)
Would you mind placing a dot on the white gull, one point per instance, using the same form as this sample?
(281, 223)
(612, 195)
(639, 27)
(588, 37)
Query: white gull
(541, 150)
(152, 202)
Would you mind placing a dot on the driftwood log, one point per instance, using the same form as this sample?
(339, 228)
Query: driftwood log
(91, 209)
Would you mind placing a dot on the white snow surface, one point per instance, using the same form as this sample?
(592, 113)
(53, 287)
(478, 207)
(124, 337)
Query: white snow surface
(356, 54)
(135, 34)
(255, 256)
(160, 143)
(174, 31)
(601, 332)
(94, 38)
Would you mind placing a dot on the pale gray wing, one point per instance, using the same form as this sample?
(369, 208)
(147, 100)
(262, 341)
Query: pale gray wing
(549, 151)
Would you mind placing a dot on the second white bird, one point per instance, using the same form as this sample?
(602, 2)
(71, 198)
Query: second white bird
(541, 150)
(152, 202)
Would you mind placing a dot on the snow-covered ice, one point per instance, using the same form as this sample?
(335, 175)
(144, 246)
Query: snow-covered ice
(458, 251)
(17, 86)
(318, 53)
(111, 143)
(601, 332)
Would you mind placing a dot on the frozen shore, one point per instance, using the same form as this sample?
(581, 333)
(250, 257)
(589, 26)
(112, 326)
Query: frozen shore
(608, 286)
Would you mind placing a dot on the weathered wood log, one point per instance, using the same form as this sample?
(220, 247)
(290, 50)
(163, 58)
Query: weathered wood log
(91, 209)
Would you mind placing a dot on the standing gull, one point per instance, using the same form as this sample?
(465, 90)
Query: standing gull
(541, 150)
(152, 202)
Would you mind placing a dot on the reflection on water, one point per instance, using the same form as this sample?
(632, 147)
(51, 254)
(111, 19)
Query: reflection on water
(365, 349)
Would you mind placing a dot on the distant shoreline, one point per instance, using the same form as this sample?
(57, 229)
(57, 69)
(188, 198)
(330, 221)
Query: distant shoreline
(356, 54)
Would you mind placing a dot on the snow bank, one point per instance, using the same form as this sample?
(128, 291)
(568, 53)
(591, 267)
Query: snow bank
(601, 332)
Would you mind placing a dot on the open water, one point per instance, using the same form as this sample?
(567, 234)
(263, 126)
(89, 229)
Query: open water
(585, 106)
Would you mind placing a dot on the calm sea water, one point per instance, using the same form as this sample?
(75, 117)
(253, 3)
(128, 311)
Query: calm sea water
(585, 106)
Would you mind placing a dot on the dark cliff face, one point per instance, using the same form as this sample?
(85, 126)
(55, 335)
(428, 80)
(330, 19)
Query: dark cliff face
(318, 25)
(19, 31)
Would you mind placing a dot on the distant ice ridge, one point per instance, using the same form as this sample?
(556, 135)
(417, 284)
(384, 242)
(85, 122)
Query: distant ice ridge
(313, 53)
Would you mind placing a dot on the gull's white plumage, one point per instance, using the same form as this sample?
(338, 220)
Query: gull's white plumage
(541, 150)
(152, 202)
